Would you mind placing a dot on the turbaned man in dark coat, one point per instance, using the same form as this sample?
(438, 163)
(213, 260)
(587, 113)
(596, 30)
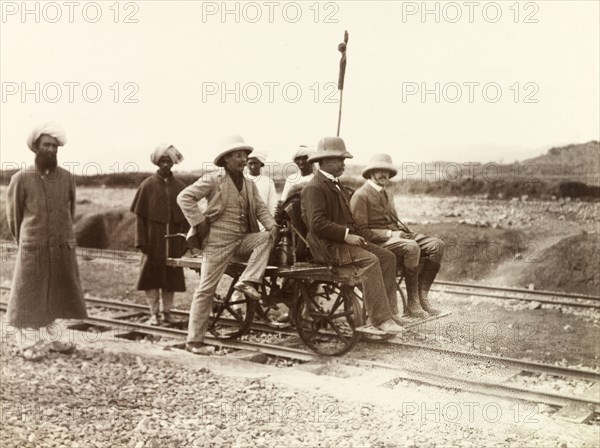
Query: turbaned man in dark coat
(40, 207)
(157, 212)
(375, 214)
(333, 236)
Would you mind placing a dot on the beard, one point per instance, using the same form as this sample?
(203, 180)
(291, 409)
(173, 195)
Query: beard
(45, 161)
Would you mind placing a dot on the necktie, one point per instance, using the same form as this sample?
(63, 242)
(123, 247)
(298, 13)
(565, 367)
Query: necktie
(384, 197)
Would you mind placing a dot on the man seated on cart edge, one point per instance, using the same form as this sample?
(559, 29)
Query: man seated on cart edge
(228, 227)
(376, 216)
(334, 238)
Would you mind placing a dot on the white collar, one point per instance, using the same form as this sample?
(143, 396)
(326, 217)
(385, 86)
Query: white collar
(374, 185)
(329, 176)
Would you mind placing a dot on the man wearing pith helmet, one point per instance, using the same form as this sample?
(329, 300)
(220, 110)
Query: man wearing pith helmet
(375, 214)
(335, 238)
(226, 228)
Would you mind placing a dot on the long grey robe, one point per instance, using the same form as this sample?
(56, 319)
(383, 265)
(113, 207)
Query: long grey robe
(46, 283)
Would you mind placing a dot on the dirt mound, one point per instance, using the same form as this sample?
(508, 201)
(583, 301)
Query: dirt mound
(571, 265)
(474, 253)
(110, 230)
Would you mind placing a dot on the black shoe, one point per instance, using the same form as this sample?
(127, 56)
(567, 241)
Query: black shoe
(199, 348)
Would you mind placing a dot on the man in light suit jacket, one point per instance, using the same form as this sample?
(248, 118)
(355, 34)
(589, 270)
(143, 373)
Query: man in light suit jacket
(375, 214)
(228, 227)
(333, 236)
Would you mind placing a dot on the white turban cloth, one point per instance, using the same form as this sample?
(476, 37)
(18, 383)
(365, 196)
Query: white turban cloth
(259, 155)
(51, 129)
(166, 149)
(303, 151)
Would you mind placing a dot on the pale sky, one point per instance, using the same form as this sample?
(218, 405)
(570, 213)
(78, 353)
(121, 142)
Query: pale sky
(540, 76)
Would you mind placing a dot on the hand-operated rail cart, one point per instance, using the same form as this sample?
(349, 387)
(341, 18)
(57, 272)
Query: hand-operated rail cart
(324, 301)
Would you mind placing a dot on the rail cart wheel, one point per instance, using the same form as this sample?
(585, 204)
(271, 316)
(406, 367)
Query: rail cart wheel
(356, 292)
(279, 295)
(327, 315)
(231, 317)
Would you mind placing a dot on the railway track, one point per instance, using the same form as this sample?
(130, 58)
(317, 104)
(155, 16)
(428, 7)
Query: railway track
(480, 357)
(131, 256)
(590, 400)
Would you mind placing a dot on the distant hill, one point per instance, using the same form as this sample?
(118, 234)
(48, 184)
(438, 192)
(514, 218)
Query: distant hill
(578, 162)
(569, 171)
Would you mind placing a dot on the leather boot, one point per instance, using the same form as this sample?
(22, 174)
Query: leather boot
(413, 305)
(426, 278)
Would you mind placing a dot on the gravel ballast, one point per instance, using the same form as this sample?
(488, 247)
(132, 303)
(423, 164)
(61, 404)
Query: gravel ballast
(113, 393)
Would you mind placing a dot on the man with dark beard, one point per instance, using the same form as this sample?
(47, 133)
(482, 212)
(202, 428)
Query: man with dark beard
(40, 207)
(333, 237)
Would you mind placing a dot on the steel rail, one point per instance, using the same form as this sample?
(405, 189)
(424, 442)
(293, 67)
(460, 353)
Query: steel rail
(258, 326)
(530, 366)
(486, 387)
(135, 256)
(269, 349)
(425, 377)
(519, 290)
(131, 257)
(419, 376)
(525, 299)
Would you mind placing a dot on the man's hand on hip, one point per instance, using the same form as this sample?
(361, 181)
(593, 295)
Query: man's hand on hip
(202, 229)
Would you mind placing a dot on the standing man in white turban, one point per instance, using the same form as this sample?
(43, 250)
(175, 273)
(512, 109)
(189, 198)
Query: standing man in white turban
(264, 184)
(40, 206)
(155, 205)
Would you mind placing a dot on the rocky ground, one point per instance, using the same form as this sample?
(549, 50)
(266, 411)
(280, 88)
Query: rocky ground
(138, 395)
(109, 394)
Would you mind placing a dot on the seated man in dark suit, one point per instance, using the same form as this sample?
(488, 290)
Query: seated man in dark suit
(333, 236)
(375, 215)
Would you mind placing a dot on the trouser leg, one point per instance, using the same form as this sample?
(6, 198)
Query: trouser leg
(375, 294)
(432, 248)
(258, 245)
(407, 251)
(210, 274)
(153, 299)
(167, 300)
(387, 264)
